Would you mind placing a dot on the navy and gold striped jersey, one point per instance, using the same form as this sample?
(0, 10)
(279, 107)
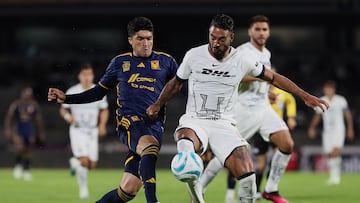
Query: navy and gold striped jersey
(138, 81)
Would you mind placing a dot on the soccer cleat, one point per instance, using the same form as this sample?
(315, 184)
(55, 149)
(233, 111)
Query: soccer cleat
(196, 192)
(258, 196)
(27, 176)
(333, 181)
(84, 193)
(18, 171)
(274, 196)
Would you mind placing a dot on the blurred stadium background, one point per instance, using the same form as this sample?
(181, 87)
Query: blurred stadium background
(42, 42)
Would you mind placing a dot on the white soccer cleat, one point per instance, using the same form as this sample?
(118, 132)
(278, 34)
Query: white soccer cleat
(18, 171)
(196, 192)
(27, 176)
(84, 193)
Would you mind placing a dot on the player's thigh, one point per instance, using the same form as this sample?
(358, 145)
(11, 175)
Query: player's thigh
(334, 139)
(248, 120)
(224, 139)
(79, 142)
(194, 129)
(94, 146)
(271, 124)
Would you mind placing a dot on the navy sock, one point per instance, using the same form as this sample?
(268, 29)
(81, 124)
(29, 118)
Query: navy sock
(258, 176)
(230, 180)
(114, 197)
(147, 172)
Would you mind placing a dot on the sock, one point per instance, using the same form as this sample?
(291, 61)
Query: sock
(82, 177)
(213, 167)
(230, 181)
(259, 176)
(116, 196)
(184, 145)
(279, 163)
(18, 159)
(147, 172)
(247, 188)
(334, 165)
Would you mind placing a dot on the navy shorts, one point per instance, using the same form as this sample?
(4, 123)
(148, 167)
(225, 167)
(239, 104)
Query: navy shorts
(131, 127)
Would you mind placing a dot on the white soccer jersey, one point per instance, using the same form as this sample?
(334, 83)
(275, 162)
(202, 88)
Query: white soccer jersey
(213, 83)
(85, 115)
(256, 92)
(333, 118)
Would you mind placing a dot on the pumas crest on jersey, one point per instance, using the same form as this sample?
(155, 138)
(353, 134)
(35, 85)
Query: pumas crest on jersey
(126, 66)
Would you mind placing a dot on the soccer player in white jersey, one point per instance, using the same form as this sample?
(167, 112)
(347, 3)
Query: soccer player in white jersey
(254, 113)
(214, 71)
(333, 134)
(87, 122)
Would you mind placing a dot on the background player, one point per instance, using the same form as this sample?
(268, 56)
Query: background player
(214, 72)
(138, 77)
(22, 116)
(333, 134)
(87, 122)
(254, 113)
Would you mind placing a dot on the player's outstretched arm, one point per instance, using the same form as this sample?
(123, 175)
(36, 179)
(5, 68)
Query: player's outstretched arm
(56, 94)
(284, 83)
(169, 91)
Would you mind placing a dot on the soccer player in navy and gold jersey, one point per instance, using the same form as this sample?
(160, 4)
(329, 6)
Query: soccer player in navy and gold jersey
(22, 116)
(138, 78)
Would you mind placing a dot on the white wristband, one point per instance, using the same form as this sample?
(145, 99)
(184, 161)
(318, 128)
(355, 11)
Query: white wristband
(67, 116)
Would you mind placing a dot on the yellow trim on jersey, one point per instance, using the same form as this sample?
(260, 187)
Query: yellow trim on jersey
(124, 54)
(103, 86)
(163, 53)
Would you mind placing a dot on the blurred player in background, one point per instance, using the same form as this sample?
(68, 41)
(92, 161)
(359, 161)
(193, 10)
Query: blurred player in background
(214, 71)
(138, 77)
(334, 129)
(255, 114)
(87, 122)
(23, 116)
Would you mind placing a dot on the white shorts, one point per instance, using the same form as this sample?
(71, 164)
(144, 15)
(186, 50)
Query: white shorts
(221, 135)
(262, 119)
(85, 142)
(330, 140)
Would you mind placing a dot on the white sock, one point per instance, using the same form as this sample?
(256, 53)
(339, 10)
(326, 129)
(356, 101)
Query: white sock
(279, 163)
(185, 145)
(74, 162)
(213, 167)
(334, 165)
(230, 194)
(247, 189)
(82, 177)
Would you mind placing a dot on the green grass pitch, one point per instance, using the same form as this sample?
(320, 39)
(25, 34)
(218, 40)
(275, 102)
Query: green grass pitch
(57, 186)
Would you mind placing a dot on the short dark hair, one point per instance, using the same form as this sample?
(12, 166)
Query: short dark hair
(257, 19)
(139, 23)
(85, 66)
(330, 83)
(223, 21)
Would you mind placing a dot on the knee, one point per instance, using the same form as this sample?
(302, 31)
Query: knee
(84, 161)
(239, 162)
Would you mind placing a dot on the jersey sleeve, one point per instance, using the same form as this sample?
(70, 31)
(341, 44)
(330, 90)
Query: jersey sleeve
(173, 67)
(254, 66)
(109, 79)
(184, 70)
(64, 105)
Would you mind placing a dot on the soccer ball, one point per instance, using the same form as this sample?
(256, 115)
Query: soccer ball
(187, 166)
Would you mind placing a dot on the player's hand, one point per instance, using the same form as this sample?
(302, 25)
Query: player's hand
(152, 111)
(312, 133)
(316, 103)
(102, 130)
(291, 122)
(56, 94)
(272, 97)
